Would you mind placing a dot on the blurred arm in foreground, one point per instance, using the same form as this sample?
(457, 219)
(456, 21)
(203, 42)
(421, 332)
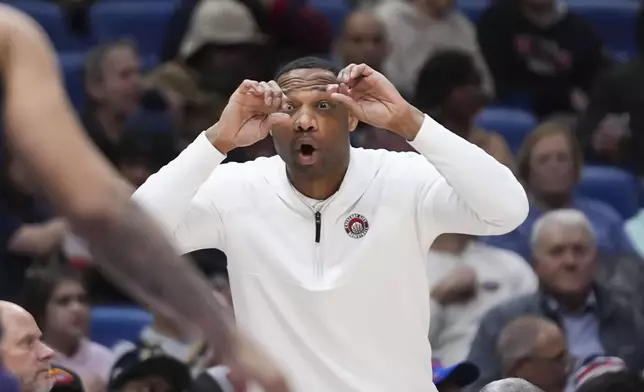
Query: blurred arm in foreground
(42, 131)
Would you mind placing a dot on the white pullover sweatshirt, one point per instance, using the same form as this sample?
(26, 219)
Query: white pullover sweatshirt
(336, 291)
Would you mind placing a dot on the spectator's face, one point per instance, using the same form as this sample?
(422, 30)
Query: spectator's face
(315, 121)
(68, 311)
(122, 86)
(24, 354)
(551, 166)
(564, 260)
(549, 365)
(147, 384)
(364, 41)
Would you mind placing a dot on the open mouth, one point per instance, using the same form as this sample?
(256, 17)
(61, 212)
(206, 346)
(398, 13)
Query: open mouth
(307, 149)
(307, 153)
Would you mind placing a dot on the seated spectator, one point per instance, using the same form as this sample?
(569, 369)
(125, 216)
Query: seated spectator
(534, 349)
(363, 39)
(466, 280)
(550, 166)
(144, 369)
(419, 28)
(57, 300)
(594, 321)
(113, 89)
(605, 374)
(22, 351)
(635, 231)
(449, 88)
(510, 385)
(540, 50)
(219, 51)
(614, 94)
(454, 378)
(29, 232)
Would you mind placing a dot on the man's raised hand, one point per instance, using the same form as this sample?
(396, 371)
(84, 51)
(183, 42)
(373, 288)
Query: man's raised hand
(251, 111)
(374, 100)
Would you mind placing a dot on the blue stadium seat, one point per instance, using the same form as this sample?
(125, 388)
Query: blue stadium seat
(613, 186)
(143, 21)
(111, 324)
(53, 22)
(614, 20)
(334, 10)
(72, 65)
(513, 124)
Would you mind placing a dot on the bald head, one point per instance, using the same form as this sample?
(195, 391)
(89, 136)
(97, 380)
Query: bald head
(363, 39)
(10, 312)
(23, 354)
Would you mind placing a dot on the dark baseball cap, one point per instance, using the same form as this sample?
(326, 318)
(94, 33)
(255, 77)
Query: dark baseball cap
(143, 361)
(65, 380)
(461, 374)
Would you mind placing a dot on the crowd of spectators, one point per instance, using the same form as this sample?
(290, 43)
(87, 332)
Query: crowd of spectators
(554, 302)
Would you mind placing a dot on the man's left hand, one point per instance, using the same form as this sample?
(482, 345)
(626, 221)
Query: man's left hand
(374, 100)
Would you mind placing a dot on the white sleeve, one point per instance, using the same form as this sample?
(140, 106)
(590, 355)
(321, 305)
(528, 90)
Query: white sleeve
(466, 190)
(180, 197)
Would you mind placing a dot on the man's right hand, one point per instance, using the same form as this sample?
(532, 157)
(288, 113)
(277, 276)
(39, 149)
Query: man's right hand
(251, 111)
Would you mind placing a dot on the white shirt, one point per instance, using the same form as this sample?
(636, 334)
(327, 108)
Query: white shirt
(501, 275)
(350, 312)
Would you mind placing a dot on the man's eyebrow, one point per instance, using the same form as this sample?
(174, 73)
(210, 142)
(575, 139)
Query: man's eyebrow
(314, 88)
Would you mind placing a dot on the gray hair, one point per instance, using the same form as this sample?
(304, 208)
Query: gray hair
(510, 385)
(518, 339)
(566, 218)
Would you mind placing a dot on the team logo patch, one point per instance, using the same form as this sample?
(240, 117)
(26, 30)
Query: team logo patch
(356, 226)
(60, 376)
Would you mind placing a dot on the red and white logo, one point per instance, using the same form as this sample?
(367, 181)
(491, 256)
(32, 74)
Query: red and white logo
(356, 226)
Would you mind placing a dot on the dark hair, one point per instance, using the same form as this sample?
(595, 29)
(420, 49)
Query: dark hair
(441, 74)
(310, 62)
(39, 287)
(613, 382)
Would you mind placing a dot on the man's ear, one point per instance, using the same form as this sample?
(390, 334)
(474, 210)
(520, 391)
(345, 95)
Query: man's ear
(353, 122)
